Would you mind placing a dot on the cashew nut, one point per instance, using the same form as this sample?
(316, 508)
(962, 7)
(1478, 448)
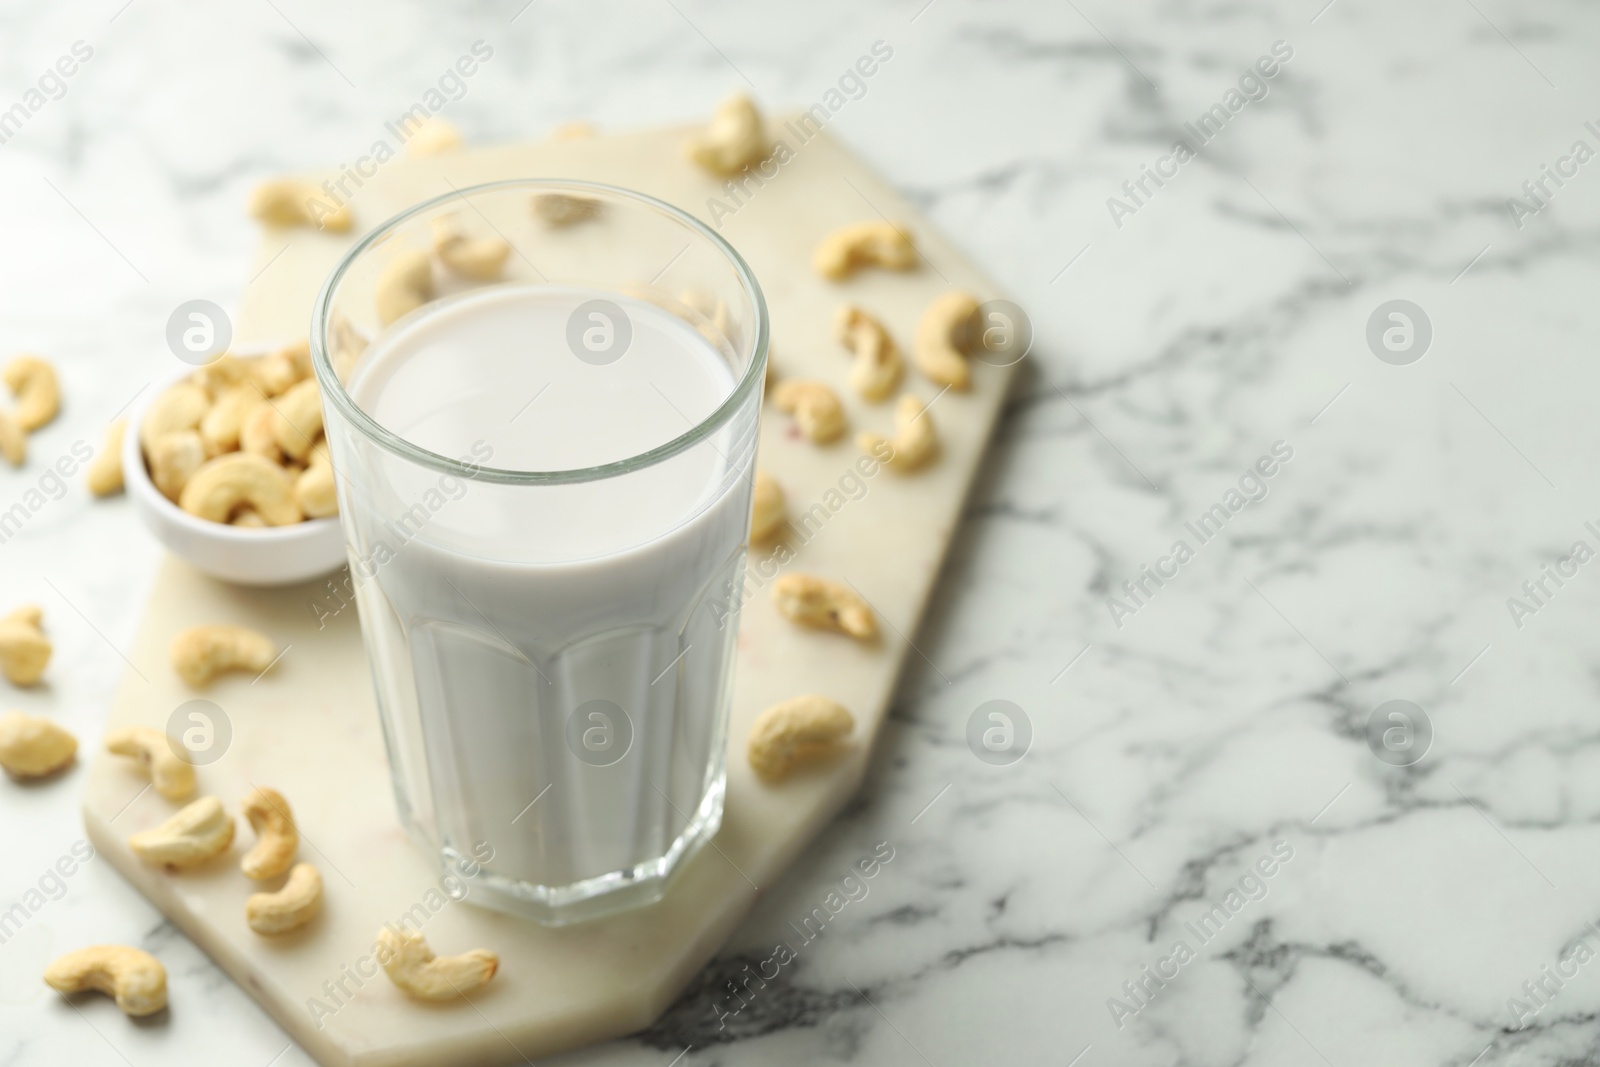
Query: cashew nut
(404, 284)
(173, 460)
(197, 832)
(823, 604)
(135, 978)
(13, 441)
(878, 365)
(480, 258)
(219, 429)
(32, 747)
(798, 731)
(200, 653)
(290, 202)
(766, 510)
(104, 476)
(221, 374)
(433, 138)
(411, 965)
(38, 393)
(815, 407)
(258, 432)
(24, 649)
(171, 774)
(235, 479)
(734, 140)
(275, 372)
(180, 407)
(560, 209)
(273, 823)
(299, 419)
(944, 336)
(914, 441)
(314, 490)
(863, 244)
(249, 518)
(290, 908)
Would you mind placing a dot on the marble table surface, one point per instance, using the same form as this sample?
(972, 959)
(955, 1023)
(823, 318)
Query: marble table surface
(1242, 502)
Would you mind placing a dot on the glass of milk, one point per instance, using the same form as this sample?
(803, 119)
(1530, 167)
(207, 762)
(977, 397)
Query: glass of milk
(541, 400)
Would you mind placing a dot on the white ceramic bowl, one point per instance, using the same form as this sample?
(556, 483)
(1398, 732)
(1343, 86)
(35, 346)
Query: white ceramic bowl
(272, 555)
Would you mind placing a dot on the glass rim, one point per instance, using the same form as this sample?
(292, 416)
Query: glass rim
(334, 391)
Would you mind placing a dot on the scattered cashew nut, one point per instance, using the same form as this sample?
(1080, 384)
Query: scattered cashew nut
(200, 653)
(290, 908)
(134, 977)
(24, 649)
(945, 336)
(33, 382)
(299, 419)
(197, 832)
(411, 965)
(480, 258)
(815, 407)
(863, 244)
(877, 368)
(795, 732)
(170, 774)
(914, 442)
(562, 209)
(236, 479)
(825, 605)
(766, 510)
(34, 747)
(180, 407)
(433, 138)
(735, 139)
(291, 202)
(277, 837)
(173, 460)
(105, 470)
(404, 284)
(13, 441)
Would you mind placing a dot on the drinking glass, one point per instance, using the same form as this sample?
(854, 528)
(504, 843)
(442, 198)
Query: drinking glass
(541, 400)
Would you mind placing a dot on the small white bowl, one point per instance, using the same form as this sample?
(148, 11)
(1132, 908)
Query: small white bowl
(272, 555)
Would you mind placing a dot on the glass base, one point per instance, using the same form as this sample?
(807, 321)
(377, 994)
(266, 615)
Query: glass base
(605, 894)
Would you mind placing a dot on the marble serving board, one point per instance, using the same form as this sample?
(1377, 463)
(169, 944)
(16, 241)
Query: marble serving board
(309, 727)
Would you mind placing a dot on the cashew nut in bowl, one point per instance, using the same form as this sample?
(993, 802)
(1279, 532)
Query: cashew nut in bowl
(878, 365)
(945, 336)
(314, 490)
(13, 441)
(561, 209)
(195, 834)
(173, 460)
(766, 508)
(34, 747)
(914, 441)
(236, 479)
(434, 137)
(221, 374)
(179, 407)
(864, 244)
(800, 730)
(200, 653)
(815, 407)
(411, 965)
(170, 774)
(277, 838)
(38, 393)
(258, 432)
(135, 978)
(404, 284)
(290, 202)
(219, 428)
(825, 605)
(24, 649)
(297, 903)
(480, 258)
(735, 139)
(299, 419)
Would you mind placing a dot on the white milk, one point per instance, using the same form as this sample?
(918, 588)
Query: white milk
(493, 612)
